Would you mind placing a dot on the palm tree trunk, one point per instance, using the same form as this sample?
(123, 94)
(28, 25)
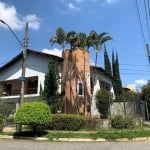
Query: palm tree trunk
(84, 85)
(95, 68)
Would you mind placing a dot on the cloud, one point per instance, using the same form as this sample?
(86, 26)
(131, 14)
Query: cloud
(111, 2)
(55, 51)
(79, 1)
(140, 82)
(71, 6)
(17, 21)
(34, 21)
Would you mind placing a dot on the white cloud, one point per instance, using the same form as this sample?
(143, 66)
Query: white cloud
(71, 6)
(16, 21)
(110, 2)
(140, 82)
(55, 51)
(34, 21)
(79, 1)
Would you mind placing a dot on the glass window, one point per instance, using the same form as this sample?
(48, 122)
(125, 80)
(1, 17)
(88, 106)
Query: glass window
(80, 88)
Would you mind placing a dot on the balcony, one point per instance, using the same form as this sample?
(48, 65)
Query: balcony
(17, 92)
(13, 87)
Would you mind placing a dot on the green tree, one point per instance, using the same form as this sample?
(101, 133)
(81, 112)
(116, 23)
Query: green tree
(145, 92)
(51, 85)
(59, 38)
(107, 61)
(117, 83)
(103, 102)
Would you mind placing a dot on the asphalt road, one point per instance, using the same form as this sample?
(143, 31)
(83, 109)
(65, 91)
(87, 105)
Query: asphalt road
(47, 145)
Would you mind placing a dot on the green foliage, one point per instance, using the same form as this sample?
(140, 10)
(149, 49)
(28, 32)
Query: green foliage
(59, 38)
(73, 122)
(81, 40)
(102, 102)
(51, 85)
(117, 83)
(107, 61)
(1, 122)
(51, 82)
(1, 90)
(91, 123)
(66, 122)
(127, 96)
(145, 91)
(121, 122)
(7, 108)
(34, 114)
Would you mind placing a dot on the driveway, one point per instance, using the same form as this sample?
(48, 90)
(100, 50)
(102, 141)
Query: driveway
(6, 144)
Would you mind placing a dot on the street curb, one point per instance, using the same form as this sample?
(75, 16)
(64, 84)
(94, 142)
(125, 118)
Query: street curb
(6, 137)
(76, 139)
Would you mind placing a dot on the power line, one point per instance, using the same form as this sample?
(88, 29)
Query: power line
(147, 23)
(140, 22)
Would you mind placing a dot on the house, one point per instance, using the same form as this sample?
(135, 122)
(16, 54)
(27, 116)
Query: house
(79, 80)
(10, 73)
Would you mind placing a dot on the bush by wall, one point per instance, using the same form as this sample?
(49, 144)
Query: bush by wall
(122, 122)
(66, 122)
(72, 122)
(1, 123)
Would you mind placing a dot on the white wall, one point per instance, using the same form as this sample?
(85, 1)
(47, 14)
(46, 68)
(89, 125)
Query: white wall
(36, 66)
(105, 78)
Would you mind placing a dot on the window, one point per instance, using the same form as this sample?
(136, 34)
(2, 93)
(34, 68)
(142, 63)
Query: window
(32, 85)
(80, 88)
(8, 89)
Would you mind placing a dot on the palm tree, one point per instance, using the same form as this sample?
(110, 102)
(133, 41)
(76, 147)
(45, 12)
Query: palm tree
(81, 40)
(71, 38)
(59, 38)
(96, 41)
(92, 40)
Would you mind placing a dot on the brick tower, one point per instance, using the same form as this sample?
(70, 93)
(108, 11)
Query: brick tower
(76, 81)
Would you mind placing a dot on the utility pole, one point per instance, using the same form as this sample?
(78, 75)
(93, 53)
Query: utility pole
(22, 78)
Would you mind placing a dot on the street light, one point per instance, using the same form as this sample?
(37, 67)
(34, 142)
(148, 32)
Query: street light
(12, 32)
(22, 78)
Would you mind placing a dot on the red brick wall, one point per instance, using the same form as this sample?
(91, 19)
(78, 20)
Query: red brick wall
(76, 68)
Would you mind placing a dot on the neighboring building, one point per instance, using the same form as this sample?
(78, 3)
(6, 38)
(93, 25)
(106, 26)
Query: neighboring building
(77, 79)
(132, 87)
(103, 80)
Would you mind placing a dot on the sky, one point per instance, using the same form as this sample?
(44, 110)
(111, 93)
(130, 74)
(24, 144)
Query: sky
(119, 18)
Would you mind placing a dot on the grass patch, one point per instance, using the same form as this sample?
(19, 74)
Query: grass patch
(58, 135)
(109, 133)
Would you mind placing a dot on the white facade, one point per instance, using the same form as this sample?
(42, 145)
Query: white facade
(36, 66)
(100, 76)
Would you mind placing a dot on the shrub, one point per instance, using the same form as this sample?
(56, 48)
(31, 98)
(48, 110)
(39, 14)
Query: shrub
(102, 102)
(1, 123)
(121, 122)
(66, 122)
(34, 114)
(91, 123)
(69, 122)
